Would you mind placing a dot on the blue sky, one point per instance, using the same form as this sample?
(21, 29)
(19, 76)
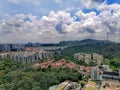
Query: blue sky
(57, 20)
(113, 1)
(41, 7)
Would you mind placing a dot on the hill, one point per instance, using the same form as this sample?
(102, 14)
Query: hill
(106, 48)
(84, 42)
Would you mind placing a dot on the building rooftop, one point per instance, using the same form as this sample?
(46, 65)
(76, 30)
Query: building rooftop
(89, 88)
(58, 64)
(111, 73)
(63, 85)
(110, 85)
(91, 85)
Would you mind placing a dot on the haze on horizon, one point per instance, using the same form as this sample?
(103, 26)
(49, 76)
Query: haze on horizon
(51, 21)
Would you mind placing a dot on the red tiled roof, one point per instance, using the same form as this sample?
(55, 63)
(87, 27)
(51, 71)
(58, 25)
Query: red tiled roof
(31, 49)
(59, 63)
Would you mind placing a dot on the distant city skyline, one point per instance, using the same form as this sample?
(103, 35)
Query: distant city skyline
(51, 21)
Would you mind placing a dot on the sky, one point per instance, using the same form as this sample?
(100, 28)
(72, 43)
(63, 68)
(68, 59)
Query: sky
(52, 21)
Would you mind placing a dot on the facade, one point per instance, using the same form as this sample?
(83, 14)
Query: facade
(4, 47)
(104, 73)
(83, 56)
(23, 57)
(48, 54)
(106, 68)
(95, 73)
(98, 59)
(11, 47)
(5, 55)
(111, 75)
(26, 57)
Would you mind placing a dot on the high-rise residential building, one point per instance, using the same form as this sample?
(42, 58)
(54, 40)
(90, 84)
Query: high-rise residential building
(30, 56)
(87, 58)
(83, 56)
(5, 47)
(97, 58)
(95, 73)
(11, 47)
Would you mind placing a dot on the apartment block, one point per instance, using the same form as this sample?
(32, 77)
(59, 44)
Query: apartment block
(98, 59)
(95, 73)
(30, 56)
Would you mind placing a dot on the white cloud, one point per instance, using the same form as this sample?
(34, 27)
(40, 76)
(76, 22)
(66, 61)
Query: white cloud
(91, 3)
(61, 25)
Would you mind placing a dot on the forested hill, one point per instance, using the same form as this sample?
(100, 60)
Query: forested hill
(69, 43)
(106, 48)
(84, 42)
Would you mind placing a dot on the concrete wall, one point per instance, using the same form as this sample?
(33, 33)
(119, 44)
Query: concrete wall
(89, 57)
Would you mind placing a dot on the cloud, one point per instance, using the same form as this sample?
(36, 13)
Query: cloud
(60, 28)
(91, 3)
(61, 25)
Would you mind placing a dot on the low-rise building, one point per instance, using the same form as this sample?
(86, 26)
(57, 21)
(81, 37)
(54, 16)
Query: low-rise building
(106, 68)
(111, 75)
(91, 85)
(59, 64)
(67, 85)
(110, 85)
(85, 70)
